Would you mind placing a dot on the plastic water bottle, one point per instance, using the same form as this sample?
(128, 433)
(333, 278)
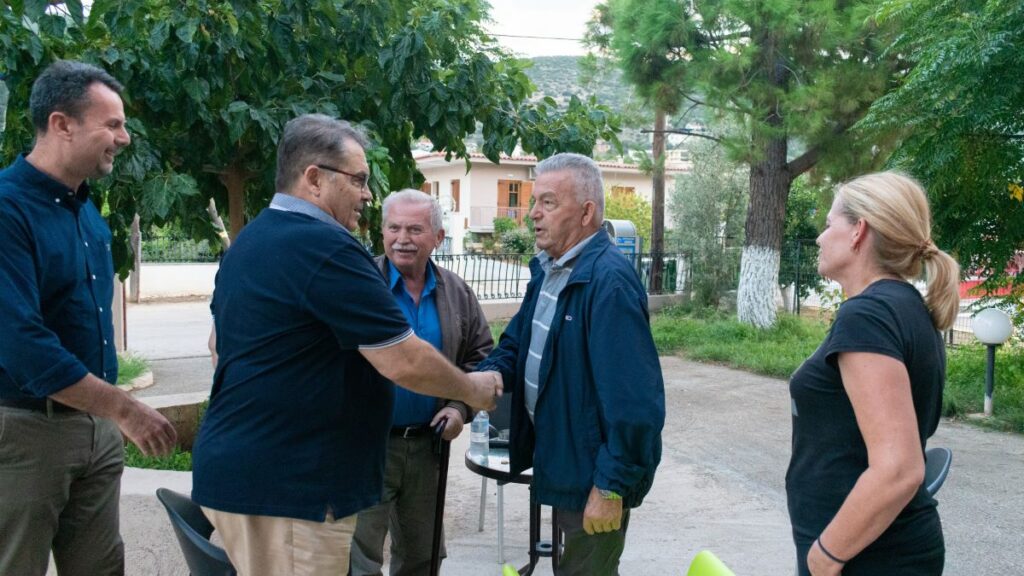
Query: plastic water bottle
(479, 438)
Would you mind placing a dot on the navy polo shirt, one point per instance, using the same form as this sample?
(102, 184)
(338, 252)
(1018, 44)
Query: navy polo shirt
(298, 420)
(56, 286)
(413, 408)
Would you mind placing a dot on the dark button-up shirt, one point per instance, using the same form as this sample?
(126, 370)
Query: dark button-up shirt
(56, 286)
(413, 408)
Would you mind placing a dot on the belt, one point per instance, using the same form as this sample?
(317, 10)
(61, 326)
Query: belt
(410, 431)
(44, 405)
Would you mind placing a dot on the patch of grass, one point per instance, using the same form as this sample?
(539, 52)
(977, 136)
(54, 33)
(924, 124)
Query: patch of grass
(179, 460)
(965, 386)
(712, 336)
(497, 327)
(130, 367)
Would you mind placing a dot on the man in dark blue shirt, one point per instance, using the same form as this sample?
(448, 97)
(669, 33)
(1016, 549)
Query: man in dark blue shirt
(61, 453)
(293, 443)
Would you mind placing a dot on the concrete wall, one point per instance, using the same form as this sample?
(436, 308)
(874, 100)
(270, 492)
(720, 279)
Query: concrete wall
(164, 281)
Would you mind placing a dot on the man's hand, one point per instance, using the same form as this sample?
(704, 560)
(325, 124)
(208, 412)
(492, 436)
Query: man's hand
(453, 427)
(487, 389)
(601, 515)
(147, 429)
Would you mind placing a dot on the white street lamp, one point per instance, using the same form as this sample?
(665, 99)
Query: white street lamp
(993, 327)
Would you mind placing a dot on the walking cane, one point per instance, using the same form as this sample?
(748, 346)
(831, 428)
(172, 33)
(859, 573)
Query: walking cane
(442, 448)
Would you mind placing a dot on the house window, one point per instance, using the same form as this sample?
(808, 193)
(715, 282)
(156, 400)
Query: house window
(432, 188)
(513, 193)
(623, 190)
(455, 195)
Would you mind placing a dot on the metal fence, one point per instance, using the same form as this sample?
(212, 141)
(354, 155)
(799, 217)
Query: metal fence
(491, 276)
(502, 276)
(505, 276)
(177, 250)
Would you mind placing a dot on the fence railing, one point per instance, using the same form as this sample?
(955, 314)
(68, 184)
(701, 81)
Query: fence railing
(177, 250)
(505, 276)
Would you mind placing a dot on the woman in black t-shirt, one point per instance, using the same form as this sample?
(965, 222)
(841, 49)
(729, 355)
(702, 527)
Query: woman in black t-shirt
(865, 403)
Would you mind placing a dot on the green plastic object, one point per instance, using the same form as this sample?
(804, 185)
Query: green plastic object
(508, 570)
(707, 564)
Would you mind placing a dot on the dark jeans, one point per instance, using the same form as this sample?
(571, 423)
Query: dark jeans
(60, 484)
(586, 555)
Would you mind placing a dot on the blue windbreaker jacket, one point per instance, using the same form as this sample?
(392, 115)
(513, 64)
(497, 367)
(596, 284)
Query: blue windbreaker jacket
(601, 399)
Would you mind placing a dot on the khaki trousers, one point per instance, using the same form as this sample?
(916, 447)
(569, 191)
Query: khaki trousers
(275, 546)
(60, 487)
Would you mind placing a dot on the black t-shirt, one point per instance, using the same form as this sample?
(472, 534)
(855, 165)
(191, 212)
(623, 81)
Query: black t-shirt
(890, 318)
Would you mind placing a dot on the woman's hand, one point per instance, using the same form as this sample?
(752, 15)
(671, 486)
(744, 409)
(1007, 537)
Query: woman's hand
(821, 565)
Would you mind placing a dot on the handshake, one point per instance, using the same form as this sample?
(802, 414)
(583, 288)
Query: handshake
(487, 387)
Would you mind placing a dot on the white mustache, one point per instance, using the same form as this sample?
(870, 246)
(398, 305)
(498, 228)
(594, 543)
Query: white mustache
(397, 246)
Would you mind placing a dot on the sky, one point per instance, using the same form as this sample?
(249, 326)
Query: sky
(548, 18)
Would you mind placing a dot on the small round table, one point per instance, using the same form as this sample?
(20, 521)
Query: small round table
(498, 468)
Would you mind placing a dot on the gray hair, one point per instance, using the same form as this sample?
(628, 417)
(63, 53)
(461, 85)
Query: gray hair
(586, 178)
(417, 197)
(64, 87)
(312, 139)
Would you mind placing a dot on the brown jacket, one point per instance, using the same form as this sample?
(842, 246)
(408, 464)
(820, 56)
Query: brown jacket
(465, 336)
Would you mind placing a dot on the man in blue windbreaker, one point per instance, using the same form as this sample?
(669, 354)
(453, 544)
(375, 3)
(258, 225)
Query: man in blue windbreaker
(580, 359)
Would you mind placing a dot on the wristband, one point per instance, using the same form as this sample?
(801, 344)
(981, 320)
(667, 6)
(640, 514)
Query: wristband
(608, 494)
(829, 554)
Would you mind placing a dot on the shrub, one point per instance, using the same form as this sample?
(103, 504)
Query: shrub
(502, 225)
(518, 241)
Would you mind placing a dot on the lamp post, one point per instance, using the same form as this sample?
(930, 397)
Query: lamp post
(993, 327)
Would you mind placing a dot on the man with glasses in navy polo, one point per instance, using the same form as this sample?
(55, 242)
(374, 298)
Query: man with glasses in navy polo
(61, 451)
(307, 337)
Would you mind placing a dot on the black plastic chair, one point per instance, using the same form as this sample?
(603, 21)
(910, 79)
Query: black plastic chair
(193, 530)
(936, 468)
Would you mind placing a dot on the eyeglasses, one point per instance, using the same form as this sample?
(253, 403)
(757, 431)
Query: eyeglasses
(358, 180)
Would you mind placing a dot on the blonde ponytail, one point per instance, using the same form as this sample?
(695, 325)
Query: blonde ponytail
(943, 298)
(895, 206)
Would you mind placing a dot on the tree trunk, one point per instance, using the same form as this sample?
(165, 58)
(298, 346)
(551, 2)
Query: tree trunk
(658, 202)
(759, 265)
(234, 179)
(218, 223)
(4, 94)
(135, 279)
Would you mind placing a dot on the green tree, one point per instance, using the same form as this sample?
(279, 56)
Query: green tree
(806, 208)
(633, 208)
(211, 83)
(796, 74)
(959, 116)
(709, 206)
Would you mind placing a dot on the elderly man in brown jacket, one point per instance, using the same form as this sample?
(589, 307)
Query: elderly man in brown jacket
(442, 310)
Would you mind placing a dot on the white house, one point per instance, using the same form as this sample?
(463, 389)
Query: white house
(473, 198)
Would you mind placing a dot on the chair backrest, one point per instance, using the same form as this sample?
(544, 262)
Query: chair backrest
(193, 531)
(707, 564)
(501, 416)
(936, 468)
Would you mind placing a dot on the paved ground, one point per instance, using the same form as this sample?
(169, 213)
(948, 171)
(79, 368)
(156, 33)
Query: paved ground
(720, 484)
